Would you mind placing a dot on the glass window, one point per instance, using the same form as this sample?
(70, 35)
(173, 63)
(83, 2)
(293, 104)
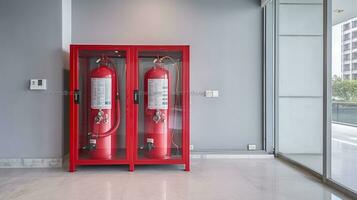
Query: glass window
(343, 108)
(300, 118)
(346, 26)
(354, 24)
(354, 66)
(300, 125)
(300, 103)
(346, 57)
(354, 55)
(346, 67)
(346, 77)
(354, 45)
(346, 37)
(354, 34)
(346, 47)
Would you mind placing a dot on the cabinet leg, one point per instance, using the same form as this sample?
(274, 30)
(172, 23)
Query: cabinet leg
(131, 168)
(187, 167)
(72, 168)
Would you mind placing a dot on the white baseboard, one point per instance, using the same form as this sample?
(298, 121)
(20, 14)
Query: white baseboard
(231, 156)
(58, 162)
(31, 163)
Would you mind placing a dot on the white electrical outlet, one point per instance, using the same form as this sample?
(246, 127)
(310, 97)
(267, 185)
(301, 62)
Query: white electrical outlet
(191, 147)
(252, 147)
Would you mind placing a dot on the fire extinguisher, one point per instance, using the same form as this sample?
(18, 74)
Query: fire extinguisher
(104, 110)
(157, 104)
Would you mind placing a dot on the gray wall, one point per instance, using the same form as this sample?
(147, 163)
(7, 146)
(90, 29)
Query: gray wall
(226, 53)
(30, 47)
(269, 70)
(226, 44)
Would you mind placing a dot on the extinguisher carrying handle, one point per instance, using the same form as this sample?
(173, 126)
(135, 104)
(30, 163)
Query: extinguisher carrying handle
(116, 126)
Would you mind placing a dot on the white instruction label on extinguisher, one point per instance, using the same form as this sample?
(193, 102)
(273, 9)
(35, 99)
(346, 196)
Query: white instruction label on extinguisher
(158, 91)
(101, 91)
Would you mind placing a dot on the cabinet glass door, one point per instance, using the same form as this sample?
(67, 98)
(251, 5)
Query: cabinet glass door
(101, 79)
(159, 98)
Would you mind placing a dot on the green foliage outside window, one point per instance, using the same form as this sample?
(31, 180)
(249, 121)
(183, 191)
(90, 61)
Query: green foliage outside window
(344, 90)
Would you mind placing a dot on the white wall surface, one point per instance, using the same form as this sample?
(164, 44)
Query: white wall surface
(226, 45)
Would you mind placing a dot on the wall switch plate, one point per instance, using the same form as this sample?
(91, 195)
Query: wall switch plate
(38, 84)
(252, 147)
(209, 93)
(191, 147)
(215, 93)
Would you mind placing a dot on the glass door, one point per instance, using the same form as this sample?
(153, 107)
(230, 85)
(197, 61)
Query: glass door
(343, 90)
(101, 78)
(299, 83)
(159, 134)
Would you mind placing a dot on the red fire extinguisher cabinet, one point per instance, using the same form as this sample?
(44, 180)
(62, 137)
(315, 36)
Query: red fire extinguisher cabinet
(129, 105)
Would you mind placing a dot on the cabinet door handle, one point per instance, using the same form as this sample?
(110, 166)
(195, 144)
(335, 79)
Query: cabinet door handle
(136, 97)
(76, 96)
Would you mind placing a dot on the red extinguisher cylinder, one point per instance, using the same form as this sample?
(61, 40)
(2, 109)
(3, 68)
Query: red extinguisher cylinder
(157, 136)
(104, 113)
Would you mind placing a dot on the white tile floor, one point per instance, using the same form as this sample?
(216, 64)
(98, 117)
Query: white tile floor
(210, 179)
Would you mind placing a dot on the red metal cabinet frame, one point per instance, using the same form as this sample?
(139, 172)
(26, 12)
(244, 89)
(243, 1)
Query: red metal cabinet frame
(132, 83)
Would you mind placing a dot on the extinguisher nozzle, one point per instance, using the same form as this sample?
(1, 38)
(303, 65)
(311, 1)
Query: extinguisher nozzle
(177, 152)
(150, 146)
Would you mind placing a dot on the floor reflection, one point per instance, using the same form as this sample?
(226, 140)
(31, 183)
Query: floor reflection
(343, 158)
(210, 179)
(344, 155)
